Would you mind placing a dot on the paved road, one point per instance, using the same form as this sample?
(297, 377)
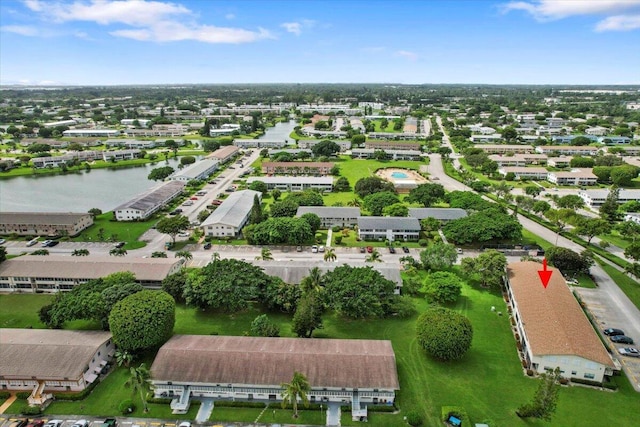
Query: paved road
(620, 310)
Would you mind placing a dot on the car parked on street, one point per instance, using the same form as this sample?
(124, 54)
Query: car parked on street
(2, 241)
(314, 249)
(81, 423)
(320, 248)
(36, 423)
(369, 249)
(392, 250)
(613, 331)
(629, 351)
(207, 245)
(52, 243)
(363, 249)
(53, 423)
(621, 339)
(119, 245)
(45, 243)
(298, 248)
(405, 249)
(19, 423)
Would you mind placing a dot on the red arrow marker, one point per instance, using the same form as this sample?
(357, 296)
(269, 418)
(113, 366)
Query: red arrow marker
(545, 274)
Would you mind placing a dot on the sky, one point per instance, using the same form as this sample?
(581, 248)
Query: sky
(135, 42)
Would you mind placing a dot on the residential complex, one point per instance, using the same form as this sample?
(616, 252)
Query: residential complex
(595, 198)
(143, 206)
(231, 216)
(353, 372)
(441, 214)
(224, 154)
(55, 273)
(258, 143)
(297, 168)
(295, 183)
(44, 361)
(552, 328)
(44, 223)
(388, 228)
(343, 217)
(199, 170)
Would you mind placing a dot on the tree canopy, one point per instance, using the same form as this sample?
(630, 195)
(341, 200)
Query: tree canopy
(172, 225)
(292, 231)
(325, 148)
(483, 226)
(438, 256)
(443, 287)
(143, 320)
(159, 174)
(372, 184)
(426, 194)
(444, 334)
(359, 292)
(569, 263)
(489, 267)
(376, 202)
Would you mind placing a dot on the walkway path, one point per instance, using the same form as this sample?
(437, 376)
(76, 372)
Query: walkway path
(8, 403)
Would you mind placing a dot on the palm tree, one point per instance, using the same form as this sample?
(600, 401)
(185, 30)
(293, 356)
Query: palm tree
(355, 202)
(313, 282)
(215, 256)
(80, 252)
(297, 388)
(138, 382)
(374, 256)
(265, 255)
(118, 252)
(185, 255)
(330, 254)
(123, 357)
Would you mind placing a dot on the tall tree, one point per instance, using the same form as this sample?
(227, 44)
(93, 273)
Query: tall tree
(591, 227)
(438, 256)
(489, 266)
(256, 216)
(173, 225)
(296, 389)
(545, 400)
(609, 209)
(426, 194)
(137, 381)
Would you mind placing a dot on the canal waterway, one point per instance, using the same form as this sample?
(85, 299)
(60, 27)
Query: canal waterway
(104, 189)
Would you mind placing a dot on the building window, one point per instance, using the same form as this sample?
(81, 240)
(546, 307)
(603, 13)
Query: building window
(589, 376)
(574, 372)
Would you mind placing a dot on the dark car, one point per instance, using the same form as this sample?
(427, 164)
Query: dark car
(19, 423)
(53, 243)
(362, 249)
(621, 339)
(392, 250)
(207, 245)
(119, 245)
(613, 331)
(36, 423)
(405, 249)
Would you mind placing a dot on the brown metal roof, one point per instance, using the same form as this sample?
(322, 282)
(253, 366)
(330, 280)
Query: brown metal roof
(553, 320)
(223, 152)
(289, 165)
(46, 353)
(92, 267)
(272, 361)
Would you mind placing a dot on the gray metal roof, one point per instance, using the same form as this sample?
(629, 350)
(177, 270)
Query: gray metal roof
(46, 353)
(197, 168)
(294, 271)
(233, 209)
(91, 267)
(40, 218)
(329, 212)
(443, 214)
(388, 223)
(154, 196)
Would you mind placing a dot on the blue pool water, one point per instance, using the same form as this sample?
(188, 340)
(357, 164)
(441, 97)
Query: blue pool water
(398, 175)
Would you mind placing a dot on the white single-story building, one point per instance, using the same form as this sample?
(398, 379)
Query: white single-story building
(199, 170)
(295, 183)
(579, 177)
(595, 198)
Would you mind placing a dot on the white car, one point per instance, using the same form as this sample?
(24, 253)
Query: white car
(183, 234)
(185, 424)
(53, 423)
(321, 249)
(629, 351)
(81, 423)
(314, 249)
(2, 241)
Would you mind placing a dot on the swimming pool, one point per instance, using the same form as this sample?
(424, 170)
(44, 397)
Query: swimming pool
(400, 175)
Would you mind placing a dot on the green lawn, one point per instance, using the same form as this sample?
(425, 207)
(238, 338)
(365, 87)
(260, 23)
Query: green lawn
(389, 128)
(630, 287)
(616, 239)
(354, 169)
(128, 232)
(488, 382)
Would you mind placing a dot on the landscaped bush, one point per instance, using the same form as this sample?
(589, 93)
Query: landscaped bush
(414, 418)
(564, 381)
(30, 410)
(458, 412)
(23, 394)
(239, 404)
(529, 372)
(126, 407)
(423, 242)
(5, 394)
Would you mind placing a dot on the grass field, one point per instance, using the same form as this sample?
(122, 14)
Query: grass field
(488, 381)
(354, 169)
(129, 232)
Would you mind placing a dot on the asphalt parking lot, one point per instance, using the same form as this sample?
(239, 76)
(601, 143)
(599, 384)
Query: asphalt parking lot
(606, 316)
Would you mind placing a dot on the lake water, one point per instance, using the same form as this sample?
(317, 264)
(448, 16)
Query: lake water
(104, 189)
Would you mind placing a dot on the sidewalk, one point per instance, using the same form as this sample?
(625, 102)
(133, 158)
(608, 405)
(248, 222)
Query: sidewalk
(8, 403)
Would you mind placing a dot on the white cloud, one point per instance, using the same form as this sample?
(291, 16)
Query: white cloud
(411, 56)
(292, 27)
(619, 23)
(229, 16)
(148, 20)
(23, 30)
(545, 10)
(297, 27)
